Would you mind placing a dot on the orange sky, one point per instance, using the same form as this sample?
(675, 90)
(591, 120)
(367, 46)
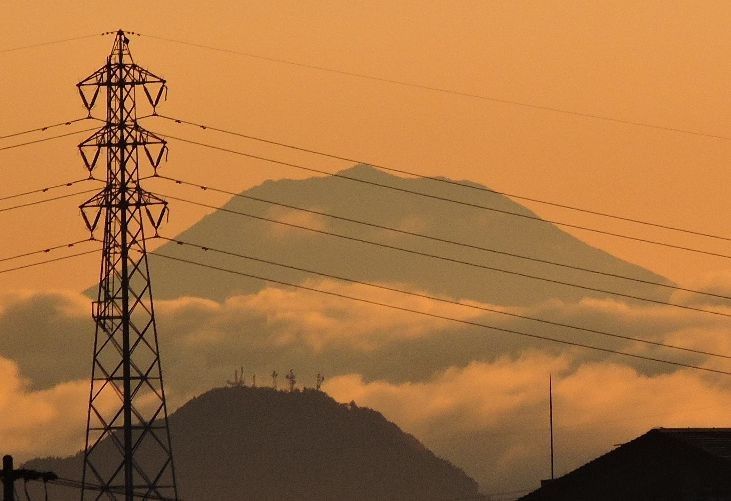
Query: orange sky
(657, 62)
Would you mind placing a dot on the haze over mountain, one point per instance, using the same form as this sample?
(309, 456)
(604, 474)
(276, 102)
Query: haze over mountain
(261, 444)
(395, 209)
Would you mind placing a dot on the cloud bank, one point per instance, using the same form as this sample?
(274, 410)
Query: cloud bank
(475, 396)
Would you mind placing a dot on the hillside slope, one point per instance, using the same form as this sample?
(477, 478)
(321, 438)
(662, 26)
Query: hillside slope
(396, 209)
(260, 444)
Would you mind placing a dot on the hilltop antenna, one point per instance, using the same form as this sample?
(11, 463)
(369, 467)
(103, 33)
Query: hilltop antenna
(320, 379)
(275, 374)
(253, 379)
(292, 380)
(238, 379)
(127, 408)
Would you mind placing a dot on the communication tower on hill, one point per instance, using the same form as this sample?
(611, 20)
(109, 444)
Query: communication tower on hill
(275, 374)
(318, 382)
(291, 379)
(238, 379)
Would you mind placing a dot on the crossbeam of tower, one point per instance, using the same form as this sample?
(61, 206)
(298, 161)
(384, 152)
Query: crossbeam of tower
(128, 445)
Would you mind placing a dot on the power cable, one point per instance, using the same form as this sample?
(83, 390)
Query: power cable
(70, 256)
(25, 489)
(52, 42)
(447, 259)
(75, 484)
(443, 317)
(438, 239)
(50, 138)
(48, 188)
(45, 250)
(443, 90)
(45, 200)
(450, 181)
(206, 248)
(452, 200)
(45, 128)
(479, 497)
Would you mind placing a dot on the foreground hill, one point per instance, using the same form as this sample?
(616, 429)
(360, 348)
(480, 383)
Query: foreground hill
(396, 209)
(261, 444)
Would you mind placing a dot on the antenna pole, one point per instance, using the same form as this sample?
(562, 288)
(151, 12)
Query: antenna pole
(8, 479)
(550, 417)
(9, 475)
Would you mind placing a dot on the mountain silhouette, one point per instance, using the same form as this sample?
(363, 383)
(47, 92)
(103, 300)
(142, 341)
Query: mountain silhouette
(398, 209)
(245, 443)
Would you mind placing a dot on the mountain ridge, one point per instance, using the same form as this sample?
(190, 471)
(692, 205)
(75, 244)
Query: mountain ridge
(402, 210)
(259, 443)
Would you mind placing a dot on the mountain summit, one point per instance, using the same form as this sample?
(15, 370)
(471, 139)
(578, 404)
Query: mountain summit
(261, 444)
(391, 207)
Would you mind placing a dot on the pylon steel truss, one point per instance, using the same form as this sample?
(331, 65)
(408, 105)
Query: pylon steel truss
(127, 438)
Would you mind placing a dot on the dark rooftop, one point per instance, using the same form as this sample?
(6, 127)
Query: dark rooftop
(664, 463)
(715, 441)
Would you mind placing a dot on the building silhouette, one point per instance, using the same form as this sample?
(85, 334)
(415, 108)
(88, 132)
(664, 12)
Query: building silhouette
(663, 464)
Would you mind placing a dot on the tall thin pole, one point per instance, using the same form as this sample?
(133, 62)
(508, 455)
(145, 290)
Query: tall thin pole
(550, 418)
(8, 479)
(9, 475)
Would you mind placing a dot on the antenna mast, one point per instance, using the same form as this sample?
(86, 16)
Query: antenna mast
(127, 437)
(291, 379)
(550, 418)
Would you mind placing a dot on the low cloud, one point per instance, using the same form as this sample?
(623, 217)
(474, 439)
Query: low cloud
(717, 285)
(296, 218)
(45, 422)
(476, 396)
(492, 418)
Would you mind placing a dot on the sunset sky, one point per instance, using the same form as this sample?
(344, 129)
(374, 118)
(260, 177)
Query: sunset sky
(653, 62)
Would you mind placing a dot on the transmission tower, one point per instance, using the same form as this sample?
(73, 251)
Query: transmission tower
(127, 437)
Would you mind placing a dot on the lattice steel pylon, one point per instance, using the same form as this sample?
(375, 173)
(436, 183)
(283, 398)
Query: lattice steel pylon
(127, 437)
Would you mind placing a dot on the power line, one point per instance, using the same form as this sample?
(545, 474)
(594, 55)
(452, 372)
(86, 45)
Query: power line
(442, 240)
(443, 90)
(452, 200)
(474, 497)
(45, 250)
(448, 259)
(52, 42)
(25, 489)
(47, 139)
(45, 128)
(491, 496)
(47, 188)
(443, 317)
(450, 181)
(206, 248)
(45, 200)
(40, 263)
(75, 484)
